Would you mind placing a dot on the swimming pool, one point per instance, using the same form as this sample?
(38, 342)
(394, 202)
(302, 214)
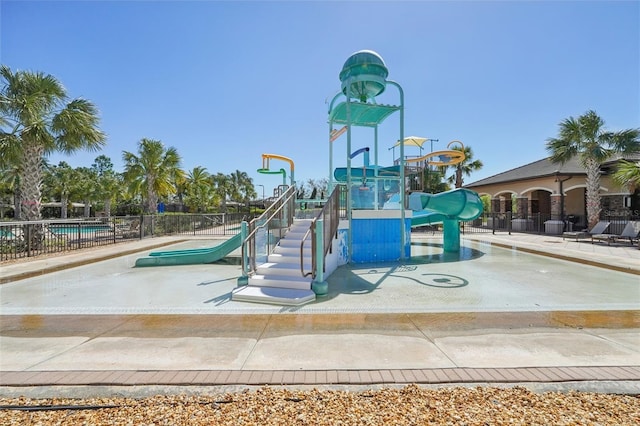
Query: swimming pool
(82, 229)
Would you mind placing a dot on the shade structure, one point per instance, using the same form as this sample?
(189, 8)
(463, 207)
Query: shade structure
(362, 114)
(412, 141)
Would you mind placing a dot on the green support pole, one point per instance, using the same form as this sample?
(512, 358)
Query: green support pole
(319, 286)
(451, 235)
(244, 278)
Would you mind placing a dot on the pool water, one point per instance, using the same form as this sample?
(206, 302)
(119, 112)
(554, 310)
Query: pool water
(81, 229)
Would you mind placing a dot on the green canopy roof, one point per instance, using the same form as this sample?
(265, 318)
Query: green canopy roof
(362, 114)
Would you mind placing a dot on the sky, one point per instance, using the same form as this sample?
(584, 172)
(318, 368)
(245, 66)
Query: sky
(227, 81)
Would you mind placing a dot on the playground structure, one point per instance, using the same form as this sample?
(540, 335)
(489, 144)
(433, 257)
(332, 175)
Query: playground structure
(285, 261)
(383, 202)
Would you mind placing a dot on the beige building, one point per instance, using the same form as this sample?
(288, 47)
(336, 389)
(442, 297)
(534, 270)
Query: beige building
(551, 191)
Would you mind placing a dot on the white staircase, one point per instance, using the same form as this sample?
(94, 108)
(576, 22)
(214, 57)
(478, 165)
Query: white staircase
(279, 281)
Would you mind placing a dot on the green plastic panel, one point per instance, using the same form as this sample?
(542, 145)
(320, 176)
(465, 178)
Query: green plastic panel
(362, 114)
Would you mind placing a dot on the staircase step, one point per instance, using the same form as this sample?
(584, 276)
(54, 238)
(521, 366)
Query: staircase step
(289, 256)
(290, 269)
(283, 281)
(293, 243)
(273, 295)
(292, 252)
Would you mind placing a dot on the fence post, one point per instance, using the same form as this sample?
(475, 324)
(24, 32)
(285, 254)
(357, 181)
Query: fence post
(28, 240)
(494, 217)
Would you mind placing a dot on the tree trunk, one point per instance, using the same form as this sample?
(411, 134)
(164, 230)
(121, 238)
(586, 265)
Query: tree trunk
(152, 197)
(107, 207)
(64, 202)
(87, 208)
(458, 177)
(31, 180)
(592, 167)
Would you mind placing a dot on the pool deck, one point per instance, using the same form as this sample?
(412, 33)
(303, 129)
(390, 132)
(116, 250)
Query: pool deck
(372, 336)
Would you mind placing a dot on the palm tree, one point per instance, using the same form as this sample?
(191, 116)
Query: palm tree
(153, 172)
(585, 138)
(109, 185)
(86, 187)
(464, 168)
(222, 188)
(37, 119)
(198, 188)
(628, 175)
(61, 179)
(242, 186)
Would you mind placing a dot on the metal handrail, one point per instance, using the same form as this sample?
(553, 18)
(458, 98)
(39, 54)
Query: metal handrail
(274, 210)
(330, 215)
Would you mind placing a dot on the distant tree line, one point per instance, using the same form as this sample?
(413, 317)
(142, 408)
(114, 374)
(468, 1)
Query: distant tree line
(37, 119)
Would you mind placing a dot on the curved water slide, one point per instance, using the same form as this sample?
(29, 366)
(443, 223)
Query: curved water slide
(448, 208)
(459, 204)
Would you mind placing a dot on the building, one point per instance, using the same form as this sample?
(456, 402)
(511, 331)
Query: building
(557, 192)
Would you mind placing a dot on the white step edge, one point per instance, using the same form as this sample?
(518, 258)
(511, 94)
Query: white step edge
(283, 281)
(273, 295)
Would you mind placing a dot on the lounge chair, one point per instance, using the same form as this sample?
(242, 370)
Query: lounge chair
(631, 232)
(599, 228)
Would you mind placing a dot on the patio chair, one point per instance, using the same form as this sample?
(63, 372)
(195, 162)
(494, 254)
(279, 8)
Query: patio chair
(631, 232)
(599, 228)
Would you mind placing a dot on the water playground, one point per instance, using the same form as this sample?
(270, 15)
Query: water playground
(368, 216)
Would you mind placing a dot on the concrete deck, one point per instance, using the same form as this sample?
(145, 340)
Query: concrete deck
(502, 312)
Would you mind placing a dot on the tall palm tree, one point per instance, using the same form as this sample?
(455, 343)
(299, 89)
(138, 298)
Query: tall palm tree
(464, 168)
(243, 189)
(199, 188)
(86, 188)
(37, 118)
(585, 138)
(109, 186)
(152, 173)
(222, 188)
(61, 179)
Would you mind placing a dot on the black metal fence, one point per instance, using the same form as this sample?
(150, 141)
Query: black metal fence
(34, 238)
(29, 239)
(537, 223)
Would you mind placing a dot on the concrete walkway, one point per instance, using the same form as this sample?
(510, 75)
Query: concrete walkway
(498, 316)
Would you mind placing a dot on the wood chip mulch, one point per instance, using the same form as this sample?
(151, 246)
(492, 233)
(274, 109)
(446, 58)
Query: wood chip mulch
(411, 405)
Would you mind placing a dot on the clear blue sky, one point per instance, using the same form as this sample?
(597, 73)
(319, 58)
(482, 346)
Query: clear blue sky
(225, 81)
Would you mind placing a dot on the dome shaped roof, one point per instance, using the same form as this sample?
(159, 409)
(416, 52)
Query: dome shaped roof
(367, 72)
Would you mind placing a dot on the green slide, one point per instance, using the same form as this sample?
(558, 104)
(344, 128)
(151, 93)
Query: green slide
(459, 204)
(448, 208)
(193, 256)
